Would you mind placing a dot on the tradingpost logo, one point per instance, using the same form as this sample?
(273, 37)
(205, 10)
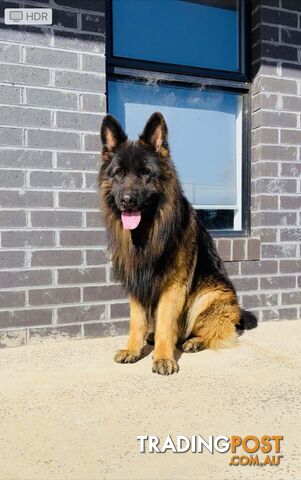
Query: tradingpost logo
(249, 450)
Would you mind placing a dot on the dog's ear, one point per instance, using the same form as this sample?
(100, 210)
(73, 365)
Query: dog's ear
(111, 134)
(155, 133)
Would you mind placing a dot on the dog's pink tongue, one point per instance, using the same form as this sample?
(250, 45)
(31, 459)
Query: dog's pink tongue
(130, 220)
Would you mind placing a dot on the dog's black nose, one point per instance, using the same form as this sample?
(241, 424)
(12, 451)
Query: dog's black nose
(128, 200)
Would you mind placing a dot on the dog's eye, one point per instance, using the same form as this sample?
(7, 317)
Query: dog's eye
(143, 172)
(119, 173)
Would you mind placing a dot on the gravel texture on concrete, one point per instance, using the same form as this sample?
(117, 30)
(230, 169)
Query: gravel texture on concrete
(68, 412)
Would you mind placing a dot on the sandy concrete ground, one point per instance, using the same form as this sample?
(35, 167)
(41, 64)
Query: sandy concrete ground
(67, 412)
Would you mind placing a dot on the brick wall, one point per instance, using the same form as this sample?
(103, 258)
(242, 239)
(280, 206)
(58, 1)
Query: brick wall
(55, 279)
(276, 165)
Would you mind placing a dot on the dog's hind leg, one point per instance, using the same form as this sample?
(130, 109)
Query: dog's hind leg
(138, 331)
(150, 338)
(211, 321)
(193, 344)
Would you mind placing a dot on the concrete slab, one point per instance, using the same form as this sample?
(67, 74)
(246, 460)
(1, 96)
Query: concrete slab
(68, 412)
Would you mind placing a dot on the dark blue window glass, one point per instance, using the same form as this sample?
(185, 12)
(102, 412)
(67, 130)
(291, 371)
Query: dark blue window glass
(196, 33)
(204, 135)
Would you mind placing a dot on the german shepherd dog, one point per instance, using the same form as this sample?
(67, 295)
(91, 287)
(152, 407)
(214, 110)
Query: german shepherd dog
(161, 252)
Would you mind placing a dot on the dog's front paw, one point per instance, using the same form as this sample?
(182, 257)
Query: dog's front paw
(126, 356)
(165, 366)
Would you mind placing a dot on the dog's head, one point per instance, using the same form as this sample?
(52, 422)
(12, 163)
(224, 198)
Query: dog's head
(132, 173)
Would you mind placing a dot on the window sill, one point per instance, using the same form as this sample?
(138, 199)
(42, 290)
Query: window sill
(238, 249)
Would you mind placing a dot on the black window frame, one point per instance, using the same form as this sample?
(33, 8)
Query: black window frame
(218, 80)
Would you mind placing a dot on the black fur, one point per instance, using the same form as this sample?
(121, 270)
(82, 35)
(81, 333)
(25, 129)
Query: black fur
(247, 320)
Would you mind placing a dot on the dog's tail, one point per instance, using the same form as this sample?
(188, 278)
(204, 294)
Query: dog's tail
(247, 320)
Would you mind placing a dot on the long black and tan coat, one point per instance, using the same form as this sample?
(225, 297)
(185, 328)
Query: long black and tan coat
(176, 282)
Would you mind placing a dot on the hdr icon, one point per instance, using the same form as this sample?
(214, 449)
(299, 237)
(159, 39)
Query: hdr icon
(28, 16)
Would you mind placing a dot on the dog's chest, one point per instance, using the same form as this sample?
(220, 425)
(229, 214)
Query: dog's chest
(141, 276)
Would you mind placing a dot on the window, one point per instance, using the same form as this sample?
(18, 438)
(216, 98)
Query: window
(186, 59)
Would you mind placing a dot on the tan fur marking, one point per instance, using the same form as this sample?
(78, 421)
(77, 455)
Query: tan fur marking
(156, 138)
(138, 327)
(138, 331)
(110, 139)
(169, 310)
(164, 152)
(201, 303)
(212, 317)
